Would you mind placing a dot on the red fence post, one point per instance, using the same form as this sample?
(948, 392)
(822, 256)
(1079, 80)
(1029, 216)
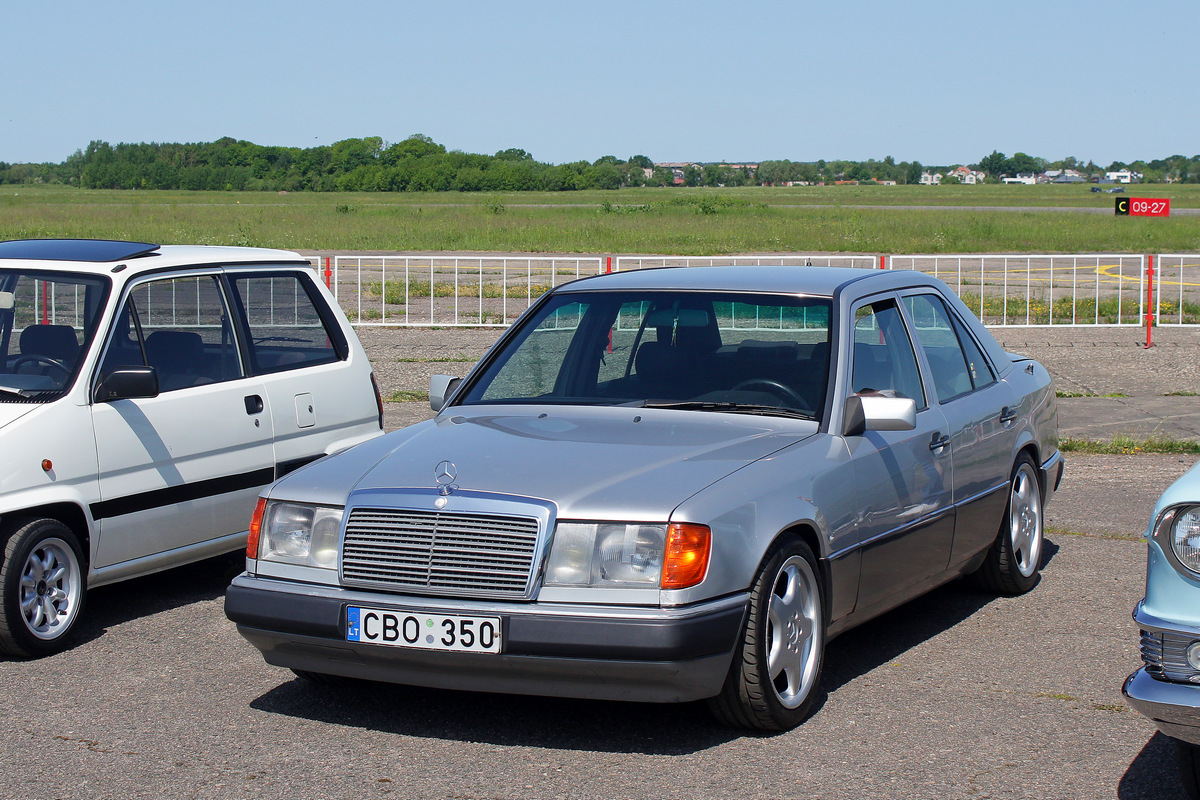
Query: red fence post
(328, 274)
(608, 268)
(882, 262)
(1149, 299)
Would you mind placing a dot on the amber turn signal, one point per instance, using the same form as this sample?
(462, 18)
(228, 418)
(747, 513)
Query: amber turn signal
(255, 528)
(686, 561)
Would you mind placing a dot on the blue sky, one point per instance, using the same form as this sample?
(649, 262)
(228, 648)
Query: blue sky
(932, 80)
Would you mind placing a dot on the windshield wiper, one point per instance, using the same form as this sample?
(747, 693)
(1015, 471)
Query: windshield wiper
(733, 408)
(17, 391)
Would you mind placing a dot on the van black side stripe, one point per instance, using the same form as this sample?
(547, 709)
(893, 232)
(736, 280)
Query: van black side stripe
(171, 495)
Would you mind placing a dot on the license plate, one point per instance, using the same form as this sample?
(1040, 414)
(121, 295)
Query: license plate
(423, 631)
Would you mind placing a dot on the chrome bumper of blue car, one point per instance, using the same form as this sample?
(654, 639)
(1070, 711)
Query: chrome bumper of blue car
(1173, 707)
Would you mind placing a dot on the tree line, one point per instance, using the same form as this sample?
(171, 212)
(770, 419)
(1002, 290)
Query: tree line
(420, 164)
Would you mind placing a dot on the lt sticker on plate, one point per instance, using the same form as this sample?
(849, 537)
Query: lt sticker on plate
(423, 631)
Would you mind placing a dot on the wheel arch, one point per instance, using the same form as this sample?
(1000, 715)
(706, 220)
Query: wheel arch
(68, 514)
(806, 532)
(1030, 449)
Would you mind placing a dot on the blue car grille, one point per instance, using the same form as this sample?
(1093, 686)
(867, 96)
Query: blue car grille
(1165, 655)
(423, 552)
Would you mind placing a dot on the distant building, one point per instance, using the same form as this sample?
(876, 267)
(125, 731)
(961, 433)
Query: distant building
(931, 178)
(1122, 176)
(966, 175)
(1027, 178)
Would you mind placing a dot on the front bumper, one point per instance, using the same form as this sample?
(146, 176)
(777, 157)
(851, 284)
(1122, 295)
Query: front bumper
(1165, 697)
(604, 653)
(1174, 707)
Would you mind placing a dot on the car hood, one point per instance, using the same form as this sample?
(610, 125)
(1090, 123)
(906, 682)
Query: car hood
(593, 463)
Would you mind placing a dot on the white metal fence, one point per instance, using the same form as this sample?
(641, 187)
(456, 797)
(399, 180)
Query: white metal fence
(445, 291)
(1004, 290)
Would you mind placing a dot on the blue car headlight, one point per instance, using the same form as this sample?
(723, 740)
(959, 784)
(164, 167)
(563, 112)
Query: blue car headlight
(1181, 527)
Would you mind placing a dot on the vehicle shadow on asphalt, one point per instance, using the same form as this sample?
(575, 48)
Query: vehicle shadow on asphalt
(1152, 775)
(500, 719)
(110, 606)
(886, 637)
(643, 728)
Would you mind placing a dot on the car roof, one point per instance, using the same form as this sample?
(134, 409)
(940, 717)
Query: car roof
(816, 281)
(104, 255)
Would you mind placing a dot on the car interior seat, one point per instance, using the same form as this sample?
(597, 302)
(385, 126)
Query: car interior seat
(178, 356)
(57, 342)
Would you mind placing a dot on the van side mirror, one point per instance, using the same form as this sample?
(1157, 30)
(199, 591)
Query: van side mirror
(441, 387)
(877, 413)
(125, 383)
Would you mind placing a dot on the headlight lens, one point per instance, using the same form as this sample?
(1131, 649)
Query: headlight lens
(296, 533)
(628, 554)
(1185, 537)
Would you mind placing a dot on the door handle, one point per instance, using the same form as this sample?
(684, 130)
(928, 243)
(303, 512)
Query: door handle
(254, 404)
(1007, 415)
(938, 442)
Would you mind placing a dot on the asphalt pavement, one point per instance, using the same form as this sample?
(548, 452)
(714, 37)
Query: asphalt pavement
(955, 695)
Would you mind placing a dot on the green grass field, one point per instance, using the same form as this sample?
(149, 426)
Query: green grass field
(848, 219)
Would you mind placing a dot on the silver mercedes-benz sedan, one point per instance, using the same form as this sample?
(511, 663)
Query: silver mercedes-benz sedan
(666, 485)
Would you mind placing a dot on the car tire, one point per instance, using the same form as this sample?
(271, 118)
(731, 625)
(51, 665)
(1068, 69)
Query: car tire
(1187, 758)
(41, 588)
(1013, 564)
(777, 664)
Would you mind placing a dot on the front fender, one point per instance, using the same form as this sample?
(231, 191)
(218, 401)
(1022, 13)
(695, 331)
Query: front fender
(804, 487)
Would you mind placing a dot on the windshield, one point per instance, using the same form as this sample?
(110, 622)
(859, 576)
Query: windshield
(706, 351)
(47, 321)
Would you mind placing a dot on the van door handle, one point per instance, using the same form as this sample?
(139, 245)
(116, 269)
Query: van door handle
(254, 404)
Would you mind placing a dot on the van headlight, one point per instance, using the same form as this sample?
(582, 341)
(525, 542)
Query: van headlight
(297, 533)
(628, 554)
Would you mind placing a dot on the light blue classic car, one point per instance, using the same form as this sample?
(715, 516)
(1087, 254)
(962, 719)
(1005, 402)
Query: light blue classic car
(1167, 688)
(666, 485)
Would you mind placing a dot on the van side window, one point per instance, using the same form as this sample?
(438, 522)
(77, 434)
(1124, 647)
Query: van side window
(287, 331)
(181, 326)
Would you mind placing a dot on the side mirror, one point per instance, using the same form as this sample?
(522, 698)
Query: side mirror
(441, 387)
(125, 383)
(878, 413)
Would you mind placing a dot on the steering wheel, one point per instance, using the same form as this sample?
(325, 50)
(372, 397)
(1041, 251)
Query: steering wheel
(786, 393)
(38, 358)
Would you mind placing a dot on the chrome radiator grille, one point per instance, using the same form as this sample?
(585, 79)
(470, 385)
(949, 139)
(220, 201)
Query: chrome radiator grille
(1165, 655)
(472, 555)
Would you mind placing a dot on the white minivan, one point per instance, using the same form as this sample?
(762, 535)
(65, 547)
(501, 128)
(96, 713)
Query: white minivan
(147, 394)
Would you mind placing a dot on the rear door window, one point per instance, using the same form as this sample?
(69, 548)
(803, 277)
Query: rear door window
(955, 360)
(287, 324)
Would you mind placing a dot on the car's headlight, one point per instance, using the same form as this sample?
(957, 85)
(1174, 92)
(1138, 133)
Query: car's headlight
(628, 554)
(297, 533)
(1185, 537)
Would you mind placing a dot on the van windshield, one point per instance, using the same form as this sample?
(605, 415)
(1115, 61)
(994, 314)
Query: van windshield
(47, 322)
